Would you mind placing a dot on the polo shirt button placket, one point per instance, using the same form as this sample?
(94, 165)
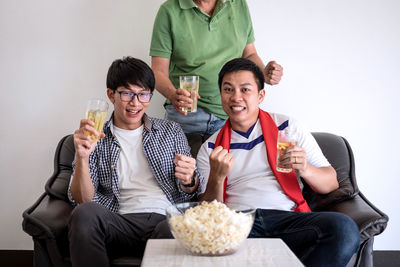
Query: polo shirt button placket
(211, 26)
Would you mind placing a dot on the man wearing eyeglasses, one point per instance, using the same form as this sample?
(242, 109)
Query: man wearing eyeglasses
(123, 183)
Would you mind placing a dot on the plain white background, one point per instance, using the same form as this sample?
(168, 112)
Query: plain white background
(341, 75)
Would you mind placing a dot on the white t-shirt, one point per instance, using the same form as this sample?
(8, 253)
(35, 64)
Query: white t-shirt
(251, 181)
(139, 190)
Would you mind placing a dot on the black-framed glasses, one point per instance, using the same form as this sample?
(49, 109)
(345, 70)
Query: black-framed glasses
(128, 96)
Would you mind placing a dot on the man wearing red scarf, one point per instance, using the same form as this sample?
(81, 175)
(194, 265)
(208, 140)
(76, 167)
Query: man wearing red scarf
(239, 163)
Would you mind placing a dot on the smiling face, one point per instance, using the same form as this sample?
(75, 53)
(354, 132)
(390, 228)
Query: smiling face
(128, 115)
(240, 98)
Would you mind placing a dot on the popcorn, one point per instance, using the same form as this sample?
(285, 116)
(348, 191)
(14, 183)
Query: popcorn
(211, 228)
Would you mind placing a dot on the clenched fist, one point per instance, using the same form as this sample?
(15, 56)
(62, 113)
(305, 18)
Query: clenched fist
(184, 168)
(221, 163)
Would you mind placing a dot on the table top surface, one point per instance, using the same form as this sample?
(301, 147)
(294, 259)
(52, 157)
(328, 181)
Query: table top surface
(253, 252)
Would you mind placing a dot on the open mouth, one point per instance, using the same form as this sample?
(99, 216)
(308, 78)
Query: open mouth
(133, 112)
(238, 108)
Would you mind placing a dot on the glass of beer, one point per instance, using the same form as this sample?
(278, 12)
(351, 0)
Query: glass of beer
(283, 143)
(191, 85)
(96, 111)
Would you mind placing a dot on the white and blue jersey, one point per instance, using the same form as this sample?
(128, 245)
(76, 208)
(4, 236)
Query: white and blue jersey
(251, 181)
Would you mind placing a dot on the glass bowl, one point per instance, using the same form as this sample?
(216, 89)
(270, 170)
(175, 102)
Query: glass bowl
(210, 228)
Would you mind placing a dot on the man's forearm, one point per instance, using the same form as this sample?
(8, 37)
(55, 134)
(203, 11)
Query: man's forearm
(164, 85)
(82, 189)
(214, 190)
(321, 180)
(250, 53)
(160, 67)
(256, 59)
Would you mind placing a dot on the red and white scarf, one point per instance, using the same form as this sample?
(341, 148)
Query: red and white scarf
(287, 181)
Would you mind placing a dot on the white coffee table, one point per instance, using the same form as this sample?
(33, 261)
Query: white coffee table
(254, 252)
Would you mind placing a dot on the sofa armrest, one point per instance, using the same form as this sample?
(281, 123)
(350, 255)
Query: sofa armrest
(369, 219)
(47, 218)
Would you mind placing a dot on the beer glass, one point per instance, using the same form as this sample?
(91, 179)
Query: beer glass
(96, 111)
(283, 143)
(191, 85)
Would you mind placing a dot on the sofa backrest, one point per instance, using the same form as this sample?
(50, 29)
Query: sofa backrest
(57, 185)
(335, 148)
(338, 152)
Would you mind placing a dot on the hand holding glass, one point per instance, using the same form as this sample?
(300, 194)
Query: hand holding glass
(97, 112)
(283, 143)
(191, 85)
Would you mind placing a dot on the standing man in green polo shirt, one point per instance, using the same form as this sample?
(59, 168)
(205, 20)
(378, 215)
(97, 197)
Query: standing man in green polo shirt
(197, 37)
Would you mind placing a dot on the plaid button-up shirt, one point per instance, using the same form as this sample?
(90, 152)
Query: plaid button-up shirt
(162, 139)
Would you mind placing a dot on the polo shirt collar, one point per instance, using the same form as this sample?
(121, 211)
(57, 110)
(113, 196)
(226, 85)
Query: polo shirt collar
(187, 4)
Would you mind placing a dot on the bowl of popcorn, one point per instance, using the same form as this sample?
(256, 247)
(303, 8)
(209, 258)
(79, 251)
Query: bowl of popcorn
(210, 228)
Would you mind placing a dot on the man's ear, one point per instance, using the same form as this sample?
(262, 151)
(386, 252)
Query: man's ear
(261, 96)
(110, 94)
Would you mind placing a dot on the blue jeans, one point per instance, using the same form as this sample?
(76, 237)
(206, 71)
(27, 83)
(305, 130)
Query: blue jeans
(200, 122)
(317, 238)
(97, 234)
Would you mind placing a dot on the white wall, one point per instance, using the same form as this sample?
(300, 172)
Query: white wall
(341, 75)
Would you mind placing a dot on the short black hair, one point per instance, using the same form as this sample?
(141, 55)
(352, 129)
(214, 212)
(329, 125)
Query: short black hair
(129, 70)
(239, 64)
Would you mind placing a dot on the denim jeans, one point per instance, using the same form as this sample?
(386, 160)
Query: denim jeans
(317, 238)
(97, 234)
(200, 122)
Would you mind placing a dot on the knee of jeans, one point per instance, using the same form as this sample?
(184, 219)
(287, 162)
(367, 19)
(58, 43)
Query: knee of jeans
(353, 234)
(162, 231)
(84, 216)
(347, 233)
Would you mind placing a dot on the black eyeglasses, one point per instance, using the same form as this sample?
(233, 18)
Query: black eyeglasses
(128, 96)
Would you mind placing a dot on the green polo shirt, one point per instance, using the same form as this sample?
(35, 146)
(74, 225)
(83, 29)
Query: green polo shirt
(199, 44)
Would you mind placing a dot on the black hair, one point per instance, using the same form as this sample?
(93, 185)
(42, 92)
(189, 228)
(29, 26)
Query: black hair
(238, 64)
(129, 70)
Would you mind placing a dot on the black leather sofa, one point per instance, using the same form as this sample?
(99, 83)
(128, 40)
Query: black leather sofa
(46, 220)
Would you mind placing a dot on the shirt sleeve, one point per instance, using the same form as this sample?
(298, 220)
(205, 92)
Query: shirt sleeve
(182, 147)
(93, 175)
(250, 35)
(71, 199)
(161, 40)
(203, 161)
